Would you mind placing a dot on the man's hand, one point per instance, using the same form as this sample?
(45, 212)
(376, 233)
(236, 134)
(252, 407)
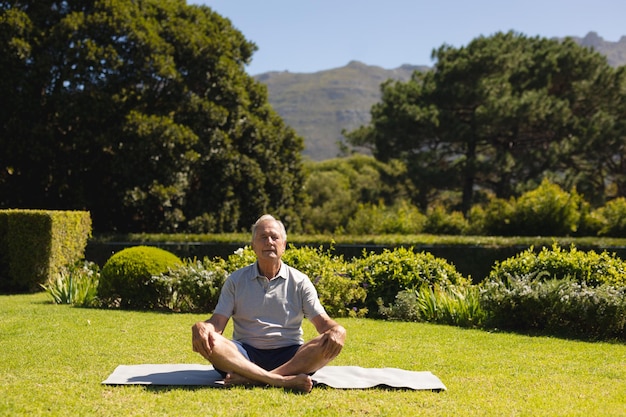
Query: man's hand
(200, 334)
(200, 338)
(333, 335)
(334, 339)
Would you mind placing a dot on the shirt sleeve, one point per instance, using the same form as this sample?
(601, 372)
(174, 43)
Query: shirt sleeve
(226, 302)
(311, 304)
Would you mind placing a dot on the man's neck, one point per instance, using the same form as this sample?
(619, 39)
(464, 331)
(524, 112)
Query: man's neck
(269, 269)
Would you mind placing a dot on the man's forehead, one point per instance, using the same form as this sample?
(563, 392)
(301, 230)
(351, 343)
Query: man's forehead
(268, 225)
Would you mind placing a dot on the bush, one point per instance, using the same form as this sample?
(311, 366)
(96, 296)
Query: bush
(126, 278)
(384, 275)
(76, 285)
(494, 219)
(548, 211)
(452, 305)
(440, 222)
(555, 306)
(240, 258)
(37, 244)
(402, 218)
(545, 211)
(589, 267)
(340, 294)
(193, 287)
(612, 218)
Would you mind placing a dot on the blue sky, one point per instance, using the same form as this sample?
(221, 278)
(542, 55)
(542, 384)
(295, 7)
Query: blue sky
(313, 35)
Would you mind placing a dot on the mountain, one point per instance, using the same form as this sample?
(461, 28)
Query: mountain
(615, 52)
(320, 105)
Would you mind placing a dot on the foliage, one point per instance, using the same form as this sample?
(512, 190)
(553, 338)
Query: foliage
(402, 218)
(546, 210)
(451, 305)
(439, 221)
(340, 293)
(35, 245)
(589, 267)
(387, 240)
(241, 257)
(564, 306)
(126, 278)
(142, 112)
(336, 188)
(499, 115)
(193, 287)
(385, 274)
(76, 285)
(612, 218)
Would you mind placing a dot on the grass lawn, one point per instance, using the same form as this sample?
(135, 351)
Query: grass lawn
(53, 359)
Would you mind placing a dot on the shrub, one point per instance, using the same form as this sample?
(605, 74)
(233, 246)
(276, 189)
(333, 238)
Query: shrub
(545, 211)
(193, 287)
(588, 267)
(37, 244)
(556, 306)
(126, 278)
(384, 275)
(76, 285)
(340, 294)
(405, 307)
(441, 222)
(452, 305)
(493, 219)
(612, 218)
(240, 258)
(402, 218)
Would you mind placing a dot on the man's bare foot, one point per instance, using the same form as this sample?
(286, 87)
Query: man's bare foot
(236, 379)
(299, 383)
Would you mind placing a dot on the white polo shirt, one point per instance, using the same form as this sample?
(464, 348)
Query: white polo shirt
(268, 314)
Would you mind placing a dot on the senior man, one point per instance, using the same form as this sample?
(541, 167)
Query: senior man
(268, 301)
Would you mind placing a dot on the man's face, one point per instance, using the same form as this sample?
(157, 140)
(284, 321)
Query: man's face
(268, 242)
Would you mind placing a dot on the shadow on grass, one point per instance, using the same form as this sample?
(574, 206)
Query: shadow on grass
(157, 389)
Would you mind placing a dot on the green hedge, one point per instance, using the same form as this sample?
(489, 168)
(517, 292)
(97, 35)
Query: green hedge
(36, 244)
(581, 266)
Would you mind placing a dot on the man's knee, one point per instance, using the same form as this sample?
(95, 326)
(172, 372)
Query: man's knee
(222, 346)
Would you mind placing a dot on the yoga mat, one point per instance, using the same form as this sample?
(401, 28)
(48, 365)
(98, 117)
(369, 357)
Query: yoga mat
(341, 377)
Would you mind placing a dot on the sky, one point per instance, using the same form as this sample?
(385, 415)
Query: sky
(305, 36)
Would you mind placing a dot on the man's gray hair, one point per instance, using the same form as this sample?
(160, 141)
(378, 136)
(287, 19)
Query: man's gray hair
(269, 218)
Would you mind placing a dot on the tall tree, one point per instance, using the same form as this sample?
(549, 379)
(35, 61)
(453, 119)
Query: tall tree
(141, 112)
(499, 115)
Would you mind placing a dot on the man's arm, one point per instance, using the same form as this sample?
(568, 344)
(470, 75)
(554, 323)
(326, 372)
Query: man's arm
(200, 333)
(334, 335)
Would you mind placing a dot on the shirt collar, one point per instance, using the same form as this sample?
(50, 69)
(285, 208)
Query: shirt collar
(282, 272)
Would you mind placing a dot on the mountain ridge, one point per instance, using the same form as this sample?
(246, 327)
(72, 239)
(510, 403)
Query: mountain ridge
(321, 104)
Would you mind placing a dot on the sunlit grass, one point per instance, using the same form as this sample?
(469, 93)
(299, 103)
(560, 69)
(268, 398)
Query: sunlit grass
(54, 358)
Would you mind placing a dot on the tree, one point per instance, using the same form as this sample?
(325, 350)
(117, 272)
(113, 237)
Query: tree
(141, 112)
(335, 188)
(499, 115)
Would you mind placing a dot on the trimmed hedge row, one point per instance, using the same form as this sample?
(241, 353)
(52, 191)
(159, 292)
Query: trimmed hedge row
(36, 244)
